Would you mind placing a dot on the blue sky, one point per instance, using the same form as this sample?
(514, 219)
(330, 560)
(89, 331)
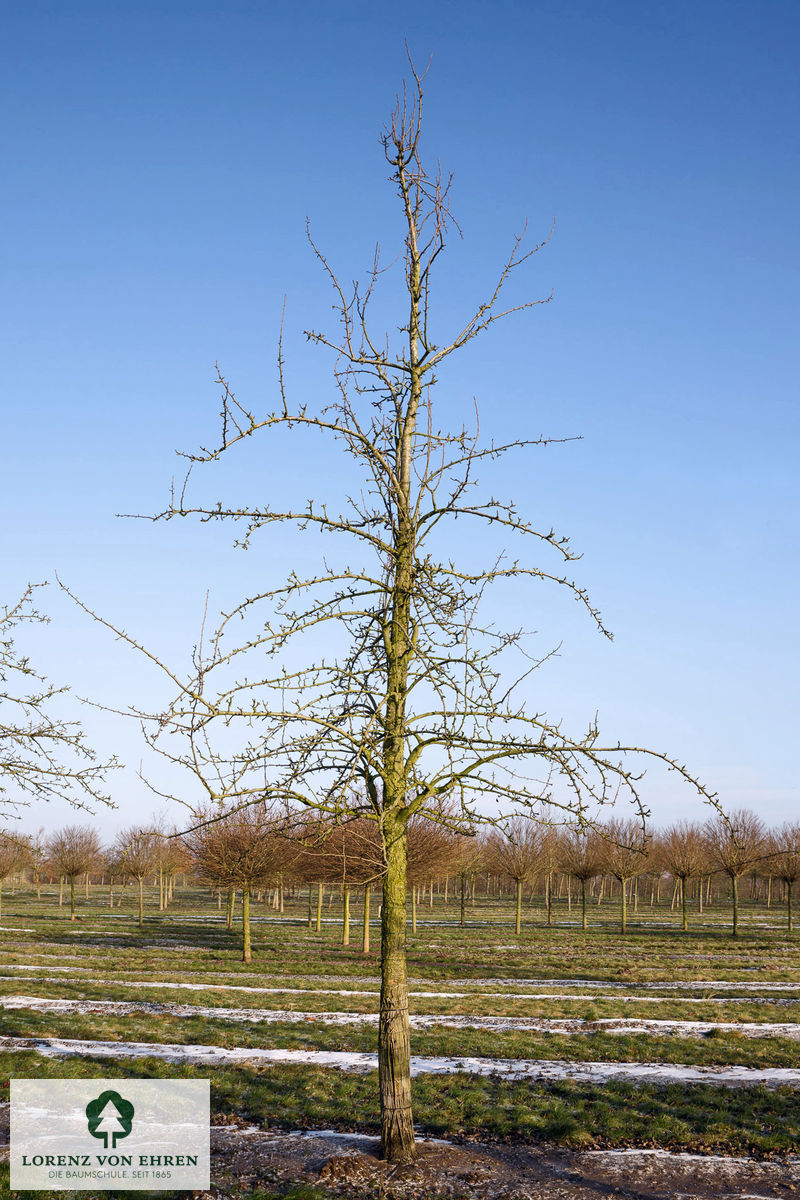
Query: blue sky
(161, 160)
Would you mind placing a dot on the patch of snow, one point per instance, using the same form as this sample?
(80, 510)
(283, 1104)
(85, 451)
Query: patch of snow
(356, 993)
(506, 1068)
(610, 1025)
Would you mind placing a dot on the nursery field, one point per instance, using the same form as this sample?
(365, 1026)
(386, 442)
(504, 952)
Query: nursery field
(559, 1038)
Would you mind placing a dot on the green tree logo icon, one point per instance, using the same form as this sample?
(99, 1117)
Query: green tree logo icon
(110, 1117)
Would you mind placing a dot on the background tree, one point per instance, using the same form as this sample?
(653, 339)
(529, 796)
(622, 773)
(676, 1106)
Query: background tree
(41, 755)
(625, 856)
(785, 858)
(467, 858)
(14, 857)
(238, 850)
(346, 855)
(515, 851)
(416, 698)
(37, 850)
(431, 852)
(682, 851)
(73, 851)
(735, 843)
(580, 855)
(137, 850)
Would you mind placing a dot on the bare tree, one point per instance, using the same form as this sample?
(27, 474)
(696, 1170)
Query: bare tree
(785, 858)
(73, 851)
(14, 856)
(516, 851)
(625, 856)
(346, 854)
(41, 755)
(580, 854)
(736, 842)
(418, 696)
(136, 851)
(238, 850)
(432, 850)
(682, 850)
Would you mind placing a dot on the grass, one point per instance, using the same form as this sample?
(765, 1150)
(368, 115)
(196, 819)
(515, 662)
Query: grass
(717, 1049)
(698, 1118)
(109, 958)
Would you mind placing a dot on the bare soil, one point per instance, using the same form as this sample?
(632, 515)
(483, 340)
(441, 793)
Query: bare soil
(347, 1165)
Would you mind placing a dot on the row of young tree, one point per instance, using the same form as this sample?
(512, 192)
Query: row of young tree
(256, 850)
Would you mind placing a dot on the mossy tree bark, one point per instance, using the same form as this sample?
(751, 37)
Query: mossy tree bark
(684, 909)
(246, 923)
(346, 916)
(394, 1039)
(365, 931)
(735, 889)
(789, 904)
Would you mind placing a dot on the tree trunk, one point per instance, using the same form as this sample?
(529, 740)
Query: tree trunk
(320, 897)
(735, 882)
(683, 905)
(413, 909)
(365, 937)
(230, 907)
(72, 897)
(623, 923)
(311, 906)
(518, 921)
(789, 905)
(141, 902)
(583, 904)
(246, 923)
(463, 898)
(548, 892)
(394, 1039)
(346, 917)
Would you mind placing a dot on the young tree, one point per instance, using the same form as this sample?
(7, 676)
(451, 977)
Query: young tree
(432, 849)
(238, 850)
(41, 755)
(682, 851)
(516, 851)
(14, 856)
(136, 851)
(73, 851)
(417, 697)
(344, 854)
(785, 846)
(580, 855)
(736, 842)
(625, 855)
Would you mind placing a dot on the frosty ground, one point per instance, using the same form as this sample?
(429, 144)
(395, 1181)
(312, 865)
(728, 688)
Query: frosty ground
(551, 1064)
